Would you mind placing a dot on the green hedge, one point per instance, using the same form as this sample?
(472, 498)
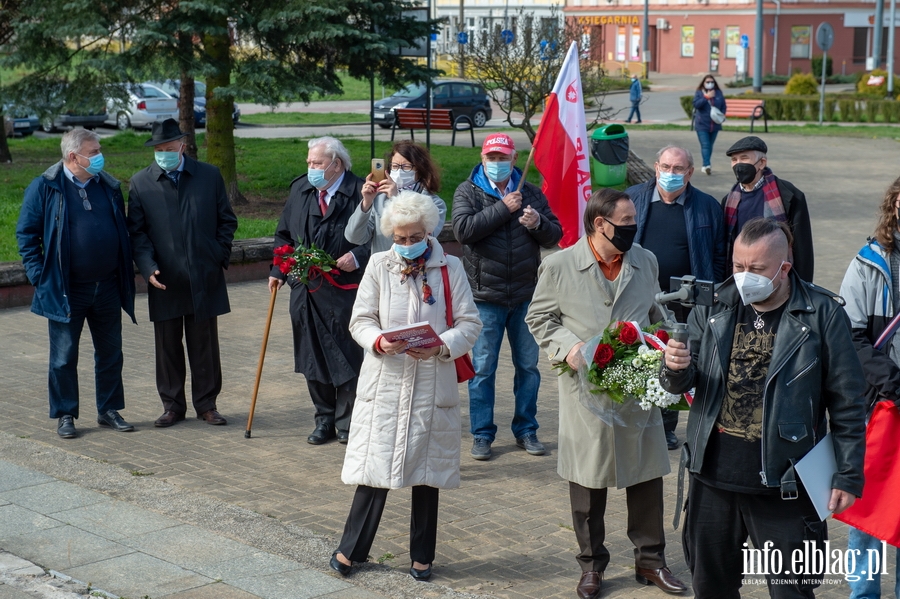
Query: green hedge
(843, 108)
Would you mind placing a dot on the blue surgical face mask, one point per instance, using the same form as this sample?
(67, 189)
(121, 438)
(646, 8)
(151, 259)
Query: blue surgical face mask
(316, 176)
(670, 182)
(411, 252)
(168, 161)
(498, 172)
(95, 166)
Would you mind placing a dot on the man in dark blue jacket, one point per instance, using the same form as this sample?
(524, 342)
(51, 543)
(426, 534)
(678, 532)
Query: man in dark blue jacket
(635, 93)
(75, 248)
(684, 228)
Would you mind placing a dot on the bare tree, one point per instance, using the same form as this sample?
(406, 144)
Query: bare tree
(519, 73)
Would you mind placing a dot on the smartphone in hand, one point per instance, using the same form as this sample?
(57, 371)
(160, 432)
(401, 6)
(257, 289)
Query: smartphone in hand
(378, 170)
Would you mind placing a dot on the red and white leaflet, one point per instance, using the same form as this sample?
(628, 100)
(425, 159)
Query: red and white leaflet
(418, 334)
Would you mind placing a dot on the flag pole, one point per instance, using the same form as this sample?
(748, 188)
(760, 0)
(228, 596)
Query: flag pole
(525, 170)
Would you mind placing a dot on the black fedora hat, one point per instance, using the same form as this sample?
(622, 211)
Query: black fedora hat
(164, 132)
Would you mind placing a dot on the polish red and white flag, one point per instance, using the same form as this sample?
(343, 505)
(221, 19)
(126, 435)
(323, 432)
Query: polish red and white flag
(560, 150)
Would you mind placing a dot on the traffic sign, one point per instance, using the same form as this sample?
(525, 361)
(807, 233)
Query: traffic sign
(462, 37)
(825, 37)
(507, 36)
(745, 41)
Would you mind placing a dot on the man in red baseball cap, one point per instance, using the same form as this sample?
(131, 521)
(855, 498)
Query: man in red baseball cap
(502, 231)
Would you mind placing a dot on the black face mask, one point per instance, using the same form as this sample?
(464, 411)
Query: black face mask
(745, 172)
(623, 236)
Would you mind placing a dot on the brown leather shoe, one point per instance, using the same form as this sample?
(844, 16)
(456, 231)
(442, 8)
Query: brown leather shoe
(589, 585)
(168, 419)
(212, 417)
(662, 578)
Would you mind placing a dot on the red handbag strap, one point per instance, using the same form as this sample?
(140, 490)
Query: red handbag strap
(446, 276)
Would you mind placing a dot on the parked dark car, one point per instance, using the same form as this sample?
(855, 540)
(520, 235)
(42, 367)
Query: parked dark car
(21, 123)
(462, 97)
(90, 119)
(173, 88)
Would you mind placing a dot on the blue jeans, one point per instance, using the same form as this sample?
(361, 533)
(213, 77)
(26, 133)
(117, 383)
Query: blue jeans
(869, 584)
(99, 304)
(635, 109)
(527, 380)
(707, 140)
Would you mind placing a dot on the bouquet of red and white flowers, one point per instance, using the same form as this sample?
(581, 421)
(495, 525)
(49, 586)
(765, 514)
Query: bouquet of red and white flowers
(624, 363)
(307, 264)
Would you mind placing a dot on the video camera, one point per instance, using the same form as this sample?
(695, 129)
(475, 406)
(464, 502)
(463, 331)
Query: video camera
(690, 292)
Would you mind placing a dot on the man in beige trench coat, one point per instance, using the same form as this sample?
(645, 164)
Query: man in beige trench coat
(601, 279)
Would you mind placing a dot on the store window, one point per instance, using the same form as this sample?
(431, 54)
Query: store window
(801, 41)
(732, 41)
(687, 41)
(860, 44)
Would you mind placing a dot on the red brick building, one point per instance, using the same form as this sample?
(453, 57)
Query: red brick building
(700, 36)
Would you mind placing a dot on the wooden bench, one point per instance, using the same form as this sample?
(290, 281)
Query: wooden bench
(748, 109)
(440, 119)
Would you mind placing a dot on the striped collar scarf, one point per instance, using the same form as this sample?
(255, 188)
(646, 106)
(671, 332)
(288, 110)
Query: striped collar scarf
(412, 268)
(773, 207)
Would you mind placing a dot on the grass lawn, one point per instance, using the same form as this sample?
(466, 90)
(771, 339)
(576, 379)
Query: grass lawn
(265, 171)
(304, 118)
(810, 129)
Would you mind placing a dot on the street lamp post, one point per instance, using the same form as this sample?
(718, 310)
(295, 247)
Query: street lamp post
(758, 50)
(646, 42)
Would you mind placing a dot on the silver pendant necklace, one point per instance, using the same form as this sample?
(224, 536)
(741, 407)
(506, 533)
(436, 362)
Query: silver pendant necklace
(758, 324)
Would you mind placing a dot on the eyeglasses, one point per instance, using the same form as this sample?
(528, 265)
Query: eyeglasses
(678, 170)
(402, 167)
(84, 200)
(412, 240)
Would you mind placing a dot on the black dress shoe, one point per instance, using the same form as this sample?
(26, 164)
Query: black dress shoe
(168, 419)
(589, 585)
(338, 566)
(671, 440)
(661, 577)
(420, 575)
(65, 427)
(114, 421)
(323, 433)
(343, 437)
(212, 417)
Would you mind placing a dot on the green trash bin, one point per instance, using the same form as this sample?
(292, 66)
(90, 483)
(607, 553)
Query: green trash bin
(609, 155)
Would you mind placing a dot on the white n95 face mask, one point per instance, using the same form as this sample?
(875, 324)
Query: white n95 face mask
(754, 288)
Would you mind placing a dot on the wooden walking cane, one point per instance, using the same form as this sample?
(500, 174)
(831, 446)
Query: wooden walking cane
(262, 356)
(525, 170)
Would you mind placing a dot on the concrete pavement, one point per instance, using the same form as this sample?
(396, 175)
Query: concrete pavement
(196, 511)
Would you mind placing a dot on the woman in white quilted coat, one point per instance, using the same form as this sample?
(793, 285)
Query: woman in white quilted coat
(405, 429)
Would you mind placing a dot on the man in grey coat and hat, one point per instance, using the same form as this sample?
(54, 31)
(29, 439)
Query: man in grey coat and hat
(181, 227)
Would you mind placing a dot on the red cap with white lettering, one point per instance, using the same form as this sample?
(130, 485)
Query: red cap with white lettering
(498, 142)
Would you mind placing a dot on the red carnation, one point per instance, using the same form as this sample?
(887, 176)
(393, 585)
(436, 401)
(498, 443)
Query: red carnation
(285, 268)
(283, 250)
(603, 355)
(662, 336)
(628, 334)
(277, 260)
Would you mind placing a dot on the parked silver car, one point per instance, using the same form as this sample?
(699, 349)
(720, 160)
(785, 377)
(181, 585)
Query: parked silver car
(146, 105)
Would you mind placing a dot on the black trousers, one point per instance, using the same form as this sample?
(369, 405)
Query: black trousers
(645, 525)
(365, 516)
(334, 405)
(202, 340)
(716, 526)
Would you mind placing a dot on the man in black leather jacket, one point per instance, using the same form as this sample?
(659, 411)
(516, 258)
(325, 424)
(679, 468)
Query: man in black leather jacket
(768, 360)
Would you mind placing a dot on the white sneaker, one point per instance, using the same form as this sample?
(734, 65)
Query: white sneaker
(707, 170)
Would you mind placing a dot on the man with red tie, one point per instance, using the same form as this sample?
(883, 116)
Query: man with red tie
(317, 210)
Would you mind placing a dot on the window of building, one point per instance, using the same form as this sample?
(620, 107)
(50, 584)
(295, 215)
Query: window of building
(732, 41)
(860, 44)
(801, 41)
(687, 41)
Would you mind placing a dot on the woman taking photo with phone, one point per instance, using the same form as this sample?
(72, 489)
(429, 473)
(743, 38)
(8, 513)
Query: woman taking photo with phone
(709, 114)
(405, 429)
(410, 167)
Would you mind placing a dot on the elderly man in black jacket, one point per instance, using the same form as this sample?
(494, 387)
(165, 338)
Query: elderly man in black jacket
(759, 193)
(182, 226)
(683, 227)
(775, 370)
(502, 231)
(317, 211)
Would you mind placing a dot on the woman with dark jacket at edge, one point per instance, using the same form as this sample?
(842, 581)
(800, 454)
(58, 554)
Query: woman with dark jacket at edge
(405, 429)
(707, 95)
